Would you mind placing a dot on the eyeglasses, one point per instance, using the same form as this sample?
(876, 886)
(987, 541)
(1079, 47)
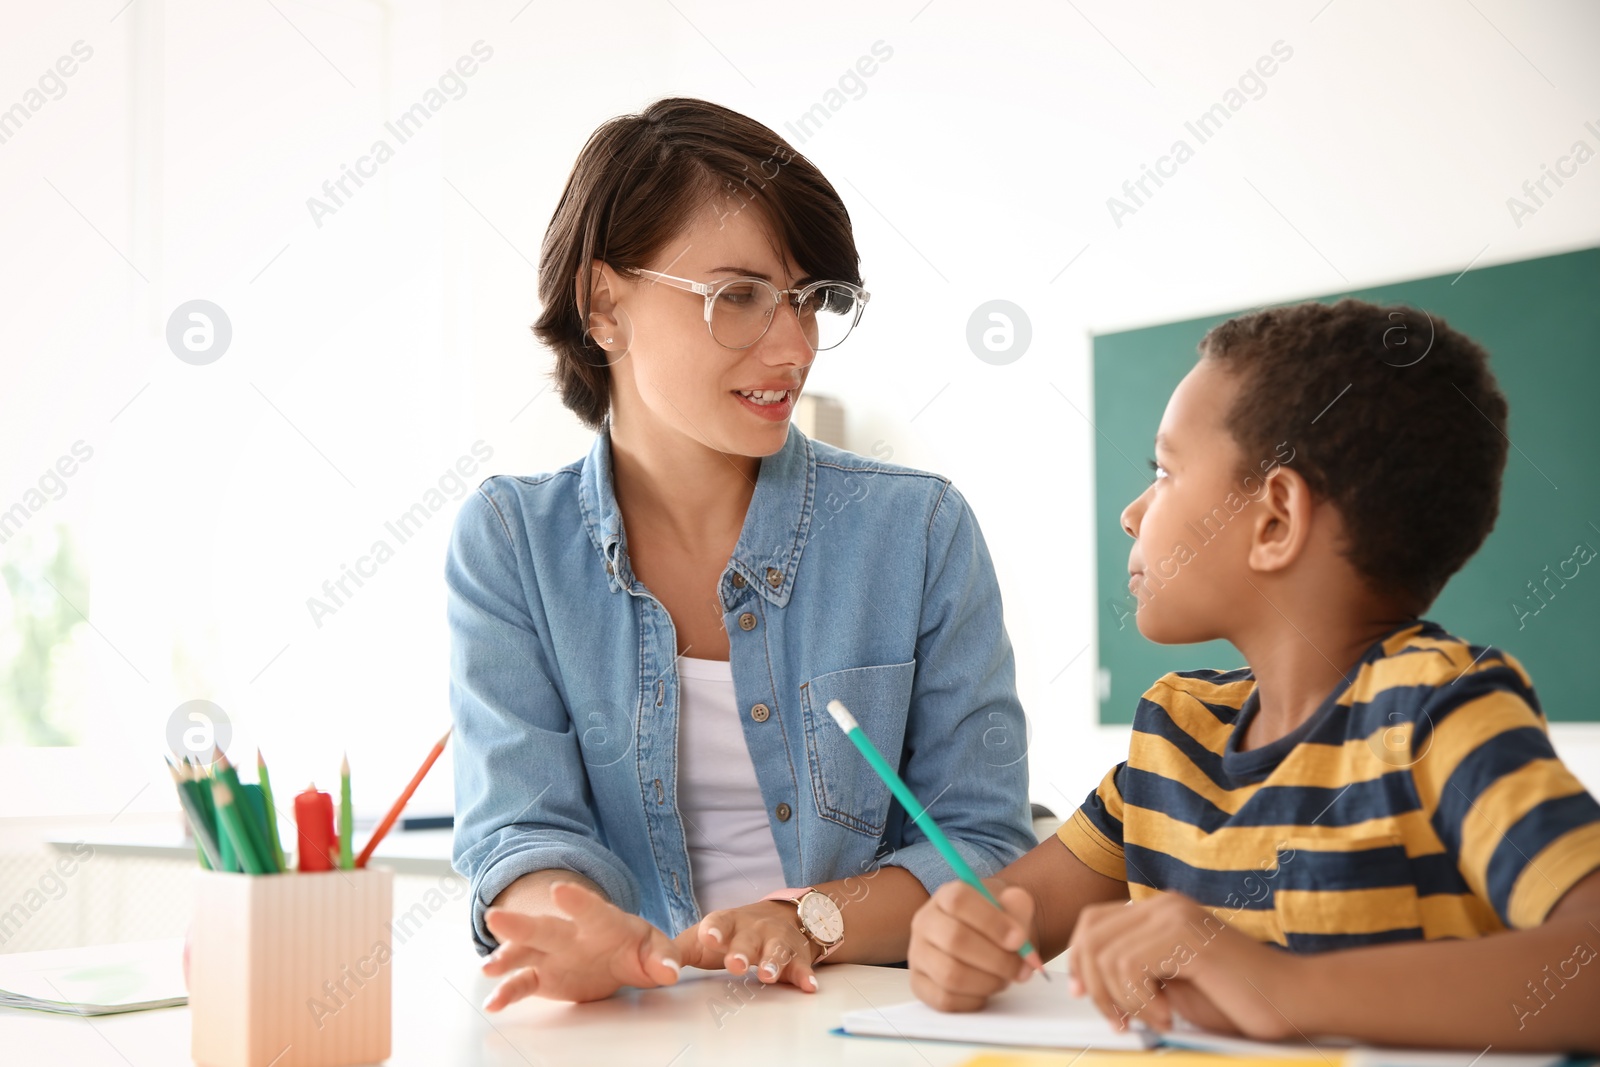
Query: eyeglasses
(739, 310)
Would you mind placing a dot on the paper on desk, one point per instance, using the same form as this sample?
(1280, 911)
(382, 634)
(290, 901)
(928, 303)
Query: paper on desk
(1119, 1059)
(97, 979)
(1043, 1015)
(1038, 1014)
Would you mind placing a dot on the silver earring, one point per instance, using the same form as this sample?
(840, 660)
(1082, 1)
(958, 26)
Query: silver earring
(609, 340)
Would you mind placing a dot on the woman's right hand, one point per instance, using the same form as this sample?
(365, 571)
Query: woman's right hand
(964, 949)
(596, 950)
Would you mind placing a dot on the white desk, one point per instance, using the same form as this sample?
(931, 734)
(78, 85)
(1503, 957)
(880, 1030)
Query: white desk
(437, 1023)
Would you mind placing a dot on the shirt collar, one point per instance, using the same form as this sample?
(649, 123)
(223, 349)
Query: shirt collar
(775, 527)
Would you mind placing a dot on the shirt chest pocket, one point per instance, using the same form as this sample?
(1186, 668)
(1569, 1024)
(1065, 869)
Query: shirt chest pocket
(1362, 893)
(844, 787)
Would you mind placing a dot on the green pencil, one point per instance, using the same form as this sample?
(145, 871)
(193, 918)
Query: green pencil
(254, 807)
(205, 840)
(273, 841)
(197, 780)
(346, 818)
(234, 824)
(200, 776)
(255, 833)
(847, 723)
(230, 858)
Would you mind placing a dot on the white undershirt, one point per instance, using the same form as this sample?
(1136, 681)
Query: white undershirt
(732, 856)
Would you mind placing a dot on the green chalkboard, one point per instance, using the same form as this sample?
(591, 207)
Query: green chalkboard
(1540, 321)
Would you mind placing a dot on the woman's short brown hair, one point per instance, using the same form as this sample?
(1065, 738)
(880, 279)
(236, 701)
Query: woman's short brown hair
(638, 183)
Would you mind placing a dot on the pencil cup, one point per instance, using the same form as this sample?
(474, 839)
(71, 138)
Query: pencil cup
(291, 970)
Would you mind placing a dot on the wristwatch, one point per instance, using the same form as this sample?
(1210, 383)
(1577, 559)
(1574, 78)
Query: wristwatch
(820, 918)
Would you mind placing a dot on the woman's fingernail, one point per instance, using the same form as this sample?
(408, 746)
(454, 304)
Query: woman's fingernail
(714, 933)
(742, 958)
(769, 969)
(674, 964)
(813, 979)
(488, 1000)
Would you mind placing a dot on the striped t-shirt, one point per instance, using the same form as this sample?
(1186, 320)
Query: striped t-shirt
(1421, 800)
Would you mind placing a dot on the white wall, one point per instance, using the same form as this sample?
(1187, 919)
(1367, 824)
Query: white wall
(372, 351)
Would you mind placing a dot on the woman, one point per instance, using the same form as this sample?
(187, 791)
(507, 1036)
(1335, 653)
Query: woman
(644, 643)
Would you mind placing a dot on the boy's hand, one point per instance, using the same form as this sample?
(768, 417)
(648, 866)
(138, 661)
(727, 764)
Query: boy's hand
(964, 949)
(1154, 957)
(592, 953)
(764, 937)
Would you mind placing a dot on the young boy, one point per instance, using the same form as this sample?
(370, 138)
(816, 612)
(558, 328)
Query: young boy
(1372, 794)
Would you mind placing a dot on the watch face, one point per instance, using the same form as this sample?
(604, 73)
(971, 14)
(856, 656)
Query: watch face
(821, 917)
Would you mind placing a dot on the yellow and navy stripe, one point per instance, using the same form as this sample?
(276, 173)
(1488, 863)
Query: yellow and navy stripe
(1422, 800)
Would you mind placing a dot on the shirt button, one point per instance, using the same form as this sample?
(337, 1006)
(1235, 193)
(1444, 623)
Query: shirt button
(610, 569)
(760, 712)
(783, 812)
(747, 621)
(738, 580)
(774, 577)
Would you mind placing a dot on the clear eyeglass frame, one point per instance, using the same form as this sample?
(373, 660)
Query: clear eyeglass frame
(711, 290)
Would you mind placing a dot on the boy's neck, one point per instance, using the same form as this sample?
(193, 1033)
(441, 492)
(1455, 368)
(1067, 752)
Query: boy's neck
(1297, 661)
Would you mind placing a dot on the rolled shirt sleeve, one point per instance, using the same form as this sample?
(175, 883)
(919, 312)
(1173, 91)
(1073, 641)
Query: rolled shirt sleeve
(1094, 832)
(523, 801)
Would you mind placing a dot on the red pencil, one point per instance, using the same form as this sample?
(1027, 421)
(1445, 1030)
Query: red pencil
(399, 805)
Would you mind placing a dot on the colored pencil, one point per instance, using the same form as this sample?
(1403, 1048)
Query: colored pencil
(232, 818)
(200, 775)
(222, 770)
(273, 840)
(399, 805)
(346, 816)
(205, 839)
(255, 806)
(919, 814)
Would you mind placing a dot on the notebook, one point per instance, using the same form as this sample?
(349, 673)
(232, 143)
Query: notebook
(97, 979)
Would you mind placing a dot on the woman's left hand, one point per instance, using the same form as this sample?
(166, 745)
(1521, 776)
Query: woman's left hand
(764, 936)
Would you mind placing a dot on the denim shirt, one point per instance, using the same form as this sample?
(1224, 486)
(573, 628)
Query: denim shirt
(852, 579)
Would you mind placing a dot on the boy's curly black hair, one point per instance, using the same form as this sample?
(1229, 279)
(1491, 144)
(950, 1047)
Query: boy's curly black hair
(1393, 416)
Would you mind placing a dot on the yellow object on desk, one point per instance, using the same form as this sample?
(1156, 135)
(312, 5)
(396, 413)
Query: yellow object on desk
(1154, 1057)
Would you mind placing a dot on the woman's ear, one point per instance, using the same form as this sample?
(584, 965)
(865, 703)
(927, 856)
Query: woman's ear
(1282, 522)
(601, 326)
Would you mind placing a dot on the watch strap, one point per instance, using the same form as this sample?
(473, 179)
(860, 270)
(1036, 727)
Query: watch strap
(793, 896)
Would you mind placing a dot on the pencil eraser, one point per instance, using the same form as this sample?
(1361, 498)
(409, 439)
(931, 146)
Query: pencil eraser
(842, 716)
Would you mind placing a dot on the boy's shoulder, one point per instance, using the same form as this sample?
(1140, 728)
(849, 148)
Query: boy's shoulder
(1216, 695)
(1426, 655)
(1423, 672)
(1418, 667)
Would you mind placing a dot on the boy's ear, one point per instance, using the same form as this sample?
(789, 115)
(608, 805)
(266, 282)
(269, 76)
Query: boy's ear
(603, 309)
(1282, 521)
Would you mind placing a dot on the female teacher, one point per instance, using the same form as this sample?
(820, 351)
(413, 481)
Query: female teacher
(644, 643)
